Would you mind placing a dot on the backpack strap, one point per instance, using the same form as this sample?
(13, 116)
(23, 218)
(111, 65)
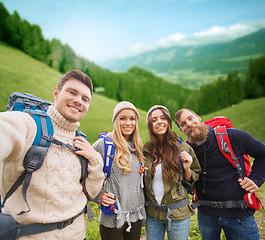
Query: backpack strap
(167, 208)
(83, 160)
(181, 175)
(36, 228)
(215, 204)
(109, 153)
(226, 148)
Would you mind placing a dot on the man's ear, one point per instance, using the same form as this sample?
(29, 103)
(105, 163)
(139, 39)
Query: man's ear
(180, 129)
(55, 93)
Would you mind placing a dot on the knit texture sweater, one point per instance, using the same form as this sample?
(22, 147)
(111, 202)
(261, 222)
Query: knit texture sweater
(55, 193)
(221, 182)
(126, 188)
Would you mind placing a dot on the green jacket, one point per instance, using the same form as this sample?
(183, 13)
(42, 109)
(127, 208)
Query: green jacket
(171, 188)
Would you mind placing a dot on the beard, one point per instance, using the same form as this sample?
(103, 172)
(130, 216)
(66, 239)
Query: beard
(195, 136)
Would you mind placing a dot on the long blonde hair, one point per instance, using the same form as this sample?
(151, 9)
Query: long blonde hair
(123, 156)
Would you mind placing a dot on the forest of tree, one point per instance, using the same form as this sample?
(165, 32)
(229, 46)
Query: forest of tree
(136, 85)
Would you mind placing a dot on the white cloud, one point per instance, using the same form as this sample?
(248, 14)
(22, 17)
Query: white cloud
(171, 40)
(222, 34)
(212, 35)
(215, 30)
(236, 30)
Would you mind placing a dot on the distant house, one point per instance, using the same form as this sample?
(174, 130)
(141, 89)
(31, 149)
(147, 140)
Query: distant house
(100, 90)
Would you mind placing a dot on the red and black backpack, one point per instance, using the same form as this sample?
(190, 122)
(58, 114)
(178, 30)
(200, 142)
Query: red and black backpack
(220, 125)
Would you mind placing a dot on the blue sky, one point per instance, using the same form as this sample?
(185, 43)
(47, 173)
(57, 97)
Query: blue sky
(103, 29)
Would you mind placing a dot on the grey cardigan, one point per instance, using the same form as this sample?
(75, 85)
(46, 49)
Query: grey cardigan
(128, 190)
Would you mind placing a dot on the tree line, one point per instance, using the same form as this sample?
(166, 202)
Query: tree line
(136, 85)
(225, 92)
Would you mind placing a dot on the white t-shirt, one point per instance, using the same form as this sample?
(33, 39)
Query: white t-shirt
(157, 184)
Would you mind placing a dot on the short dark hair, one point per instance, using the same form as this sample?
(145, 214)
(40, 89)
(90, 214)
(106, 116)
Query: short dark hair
(78, 75)
(179, 112)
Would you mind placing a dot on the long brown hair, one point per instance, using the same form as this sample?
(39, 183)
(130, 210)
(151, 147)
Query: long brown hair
(166, 151)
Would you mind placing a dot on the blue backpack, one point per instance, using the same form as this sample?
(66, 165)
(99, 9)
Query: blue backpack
(109, 152)
(108, 159)
(37, 108)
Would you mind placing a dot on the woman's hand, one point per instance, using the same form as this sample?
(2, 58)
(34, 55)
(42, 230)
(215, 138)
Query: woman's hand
(106, 199)
(187, 161)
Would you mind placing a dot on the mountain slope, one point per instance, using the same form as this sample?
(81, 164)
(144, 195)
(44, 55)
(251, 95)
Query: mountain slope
(221, 57)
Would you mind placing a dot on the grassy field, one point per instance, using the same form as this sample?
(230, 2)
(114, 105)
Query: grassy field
(19, 72)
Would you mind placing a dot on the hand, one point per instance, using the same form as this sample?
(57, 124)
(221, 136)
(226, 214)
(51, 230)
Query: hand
(248, 185)
(106, 199)
(192, 190)
(86, 150)
(186, 159)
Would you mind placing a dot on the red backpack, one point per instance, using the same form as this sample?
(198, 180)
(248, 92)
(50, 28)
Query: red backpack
(219, 124)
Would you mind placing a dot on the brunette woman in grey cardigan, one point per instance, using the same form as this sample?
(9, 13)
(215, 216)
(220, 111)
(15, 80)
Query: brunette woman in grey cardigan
(124, 186)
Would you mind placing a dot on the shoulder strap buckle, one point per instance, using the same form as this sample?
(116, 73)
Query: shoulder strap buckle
(65, 223)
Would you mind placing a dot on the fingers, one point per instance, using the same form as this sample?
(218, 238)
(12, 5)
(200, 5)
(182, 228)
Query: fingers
(107, 199)
(85, 149)
(80, 141)
(185, 156)
(248, 185)
(186, 159)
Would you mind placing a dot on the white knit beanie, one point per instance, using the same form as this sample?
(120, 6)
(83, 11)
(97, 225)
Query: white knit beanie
(154, 108)
(121, 106)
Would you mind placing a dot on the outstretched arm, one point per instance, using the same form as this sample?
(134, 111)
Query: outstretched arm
(17, 132)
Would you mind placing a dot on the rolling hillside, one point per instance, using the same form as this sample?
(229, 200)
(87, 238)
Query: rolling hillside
(19, 72)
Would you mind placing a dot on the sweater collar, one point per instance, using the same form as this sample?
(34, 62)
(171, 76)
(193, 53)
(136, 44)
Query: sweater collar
(131, 146)
(59, 119)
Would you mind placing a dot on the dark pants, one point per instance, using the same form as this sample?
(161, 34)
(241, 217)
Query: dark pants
(120, 233)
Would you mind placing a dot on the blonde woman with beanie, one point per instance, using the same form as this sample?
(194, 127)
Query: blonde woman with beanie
(123, 189)
(170, 165)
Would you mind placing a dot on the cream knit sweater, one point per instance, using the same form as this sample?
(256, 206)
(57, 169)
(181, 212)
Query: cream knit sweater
(55, 193)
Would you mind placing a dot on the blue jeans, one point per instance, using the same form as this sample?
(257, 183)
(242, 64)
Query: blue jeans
(234, 228)
(155, 229)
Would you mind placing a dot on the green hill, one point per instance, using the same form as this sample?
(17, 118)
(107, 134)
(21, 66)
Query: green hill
(19, 72)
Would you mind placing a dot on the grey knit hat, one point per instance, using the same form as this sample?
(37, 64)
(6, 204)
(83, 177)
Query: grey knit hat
(155, 108)
(121, 106)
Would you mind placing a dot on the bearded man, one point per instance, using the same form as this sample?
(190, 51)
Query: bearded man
(219, 189)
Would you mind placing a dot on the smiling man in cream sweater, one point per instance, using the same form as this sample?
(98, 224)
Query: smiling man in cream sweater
(55, 193)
